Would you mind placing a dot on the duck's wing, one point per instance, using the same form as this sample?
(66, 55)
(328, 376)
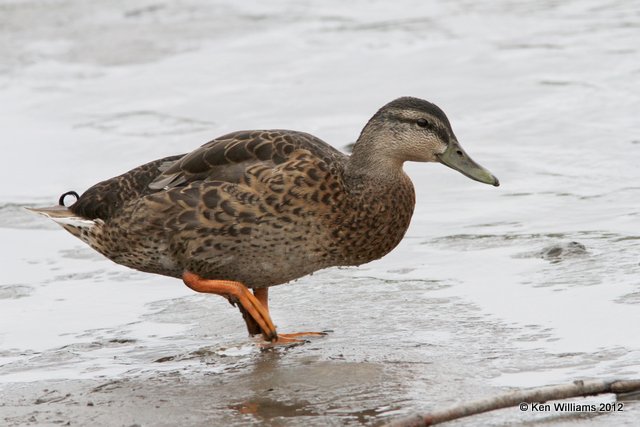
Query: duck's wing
(227, 158)
(246, 183)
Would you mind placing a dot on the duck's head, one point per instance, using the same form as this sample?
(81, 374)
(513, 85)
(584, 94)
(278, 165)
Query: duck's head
(412, 129)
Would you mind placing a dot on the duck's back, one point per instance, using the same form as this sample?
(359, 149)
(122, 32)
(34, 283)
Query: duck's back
(223, 159)
(107, 198)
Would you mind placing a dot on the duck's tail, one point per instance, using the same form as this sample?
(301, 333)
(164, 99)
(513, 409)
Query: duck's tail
(62, 215)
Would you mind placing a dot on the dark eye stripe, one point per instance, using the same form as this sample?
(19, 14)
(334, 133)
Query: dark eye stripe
(431, 126)
(426, 124)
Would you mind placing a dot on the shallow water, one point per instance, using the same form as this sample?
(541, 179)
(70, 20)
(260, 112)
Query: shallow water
(532, 283)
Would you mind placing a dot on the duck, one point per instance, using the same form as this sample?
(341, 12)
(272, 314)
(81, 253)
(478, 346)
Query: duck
(258, 208)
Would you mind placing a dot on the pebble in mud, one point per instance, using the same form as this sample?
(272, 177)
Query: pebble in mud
(559, 251)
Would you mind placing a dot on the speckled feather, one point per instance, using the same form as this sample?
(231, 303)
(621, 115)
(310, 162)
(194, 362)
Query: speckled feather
(267, 207)
(258, 207)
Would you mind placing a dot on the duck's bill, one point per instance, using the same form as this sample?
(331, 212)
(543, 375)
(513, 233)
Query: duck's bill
(456, 158)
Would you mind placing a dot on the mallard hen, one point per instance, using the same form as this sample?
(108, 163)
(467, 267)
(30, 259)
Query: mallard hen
(255, 209)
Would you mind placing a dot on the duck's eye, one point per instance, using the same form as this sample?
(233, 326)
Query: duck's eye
(423, 123)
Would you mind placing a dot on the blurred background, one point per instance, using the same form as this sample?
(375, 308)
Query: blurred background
(532, 283)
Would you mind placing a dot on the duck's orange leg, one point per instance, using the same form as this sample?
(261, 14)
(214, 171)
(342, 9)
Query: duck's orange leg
(236, 292)
(262, 295)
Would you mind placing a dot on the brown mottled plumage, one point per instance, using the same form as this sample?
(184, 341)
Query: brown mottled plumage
(265, 207)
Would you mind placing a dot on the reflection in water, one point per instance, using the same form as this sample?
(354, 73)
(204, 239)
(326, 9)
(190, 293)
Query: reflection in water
(313, 389)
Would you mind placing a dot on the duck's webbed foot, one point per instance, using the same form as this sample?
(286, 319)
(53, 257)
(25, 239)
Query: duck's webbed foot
(262, 295)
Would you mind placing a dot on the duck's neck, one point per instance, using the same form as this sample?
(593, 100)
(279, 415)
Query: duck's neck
(379, 205)
(371, 162)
